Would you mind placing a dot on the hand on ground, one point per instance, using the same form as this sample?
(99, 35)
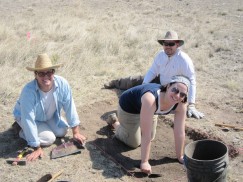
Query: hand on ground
(80, 138)
(146, 167)
(193, 112)
(181, 160)
(36, 154)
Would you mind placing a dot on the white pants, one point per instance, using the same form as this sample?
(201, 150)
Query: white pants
(47, 132)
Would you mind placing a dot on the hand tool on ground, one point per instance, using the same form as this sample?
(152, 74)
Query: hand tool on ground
(50, 177)
(66, 148)
(18, 160)
(144, 175)
(229, 126)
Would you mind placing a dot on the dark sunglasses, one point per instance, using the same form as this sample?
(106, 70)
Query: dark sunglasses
(48, 73)
(176, 91)
(171, 44)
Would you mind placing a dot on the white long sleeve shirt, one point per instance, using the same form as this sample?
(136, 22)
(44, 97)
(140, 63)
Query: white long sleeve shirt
(179, 64)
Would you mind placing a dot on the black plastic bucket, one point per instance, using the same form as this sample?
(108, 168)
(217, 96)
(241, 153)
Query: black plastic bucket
(206, 161)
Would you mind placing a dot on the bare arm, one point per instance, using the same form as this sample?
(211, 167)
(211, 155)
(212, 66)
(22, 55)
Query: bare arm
(179, 130)
(146, 121)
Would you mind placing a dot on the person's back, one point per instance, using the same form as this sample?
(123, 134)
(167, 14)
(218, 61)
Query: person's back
(130, 100)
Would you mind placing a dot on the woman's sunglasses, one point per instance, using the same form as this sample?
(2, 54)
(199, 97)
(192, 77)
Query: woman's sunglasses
(43, 74)
(177, 91)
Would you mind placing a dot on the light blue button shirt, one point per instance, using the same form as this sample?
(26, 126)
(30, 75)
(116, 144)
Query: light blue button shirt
(29, 108)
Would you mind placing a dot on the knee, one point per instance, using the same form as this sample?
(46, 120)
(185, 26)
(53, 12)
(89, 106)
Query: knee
(134, 144)
(131, 143)
(130, 138)
(61, 132)
(47, 138)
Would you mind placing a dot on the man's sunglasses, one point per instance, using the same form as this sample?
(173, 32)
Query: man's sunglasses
(171, 44)
(176, 91)
(48, 73)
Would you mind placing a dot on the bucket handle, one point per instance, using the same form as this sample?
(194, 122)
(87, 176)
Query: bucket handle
(224, 166)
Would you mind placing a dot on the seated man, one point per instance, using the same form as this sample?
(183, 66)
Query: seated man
(38, 109)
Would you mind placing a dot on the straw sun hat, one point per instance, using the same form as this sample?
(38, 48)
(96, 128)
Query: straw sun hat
(171, 35)
(42, 63)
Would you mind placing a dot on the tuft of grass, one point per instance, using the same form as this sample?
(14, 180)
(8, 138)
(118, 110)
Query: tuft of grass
(3, 33)
(222, 13)
(55, 58)
(231, 85)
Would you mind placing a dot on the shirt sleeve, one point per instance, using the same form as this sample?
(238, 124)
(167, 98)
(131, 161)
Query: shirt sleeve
(28, 124)
(70, 108)
(190, 73)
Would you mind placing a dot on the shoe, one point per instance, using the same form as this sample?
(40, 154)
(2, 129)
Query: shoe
(110, 85)
(16, 128)
(111, 119)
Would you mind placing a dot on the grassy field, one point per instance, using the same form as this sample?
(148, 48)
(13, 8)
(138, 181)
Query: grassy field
(100, 40)
(103, 40)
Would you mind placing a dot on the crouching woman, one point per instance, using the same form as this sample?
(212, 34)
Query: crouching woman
(137, 115)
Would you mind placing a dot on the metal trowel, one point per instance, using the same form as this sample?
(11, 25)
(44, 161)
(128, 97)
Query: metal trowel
(66, 148)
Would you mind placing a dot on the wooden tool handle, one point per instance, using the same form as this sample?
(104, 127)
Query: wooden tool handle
(229, 126)
(54, 176)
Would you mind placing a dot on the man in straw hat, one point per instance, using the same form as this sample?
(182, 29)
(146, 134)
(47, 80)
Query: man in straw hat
(169, 62)
(38, 109)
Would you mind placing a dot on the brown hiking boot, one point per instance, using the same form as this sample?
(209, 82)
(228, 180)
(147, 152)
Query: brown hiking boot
(16, 128)
(111, 119)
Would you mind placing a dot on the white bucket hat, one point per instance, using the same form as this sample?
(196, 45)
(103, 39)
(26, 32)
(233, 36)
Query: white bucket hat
(171, 35)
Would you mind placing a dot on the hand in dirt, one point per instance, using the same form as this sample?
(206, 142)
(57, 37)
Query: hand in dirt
(181, 160)
(146, 167)
(79, 138)
(38, 153)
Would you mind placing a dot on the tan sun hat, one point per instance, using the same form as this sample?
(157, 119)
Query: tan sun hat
(171, 35)
(42, 63)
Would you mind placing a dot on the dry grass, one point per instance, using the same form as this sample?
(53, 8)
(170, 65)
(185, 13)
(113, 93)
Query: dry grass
(97, 47)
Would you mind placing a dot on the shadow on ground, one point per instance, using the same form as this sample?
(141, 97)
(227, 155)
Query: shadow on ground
(10, 144)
